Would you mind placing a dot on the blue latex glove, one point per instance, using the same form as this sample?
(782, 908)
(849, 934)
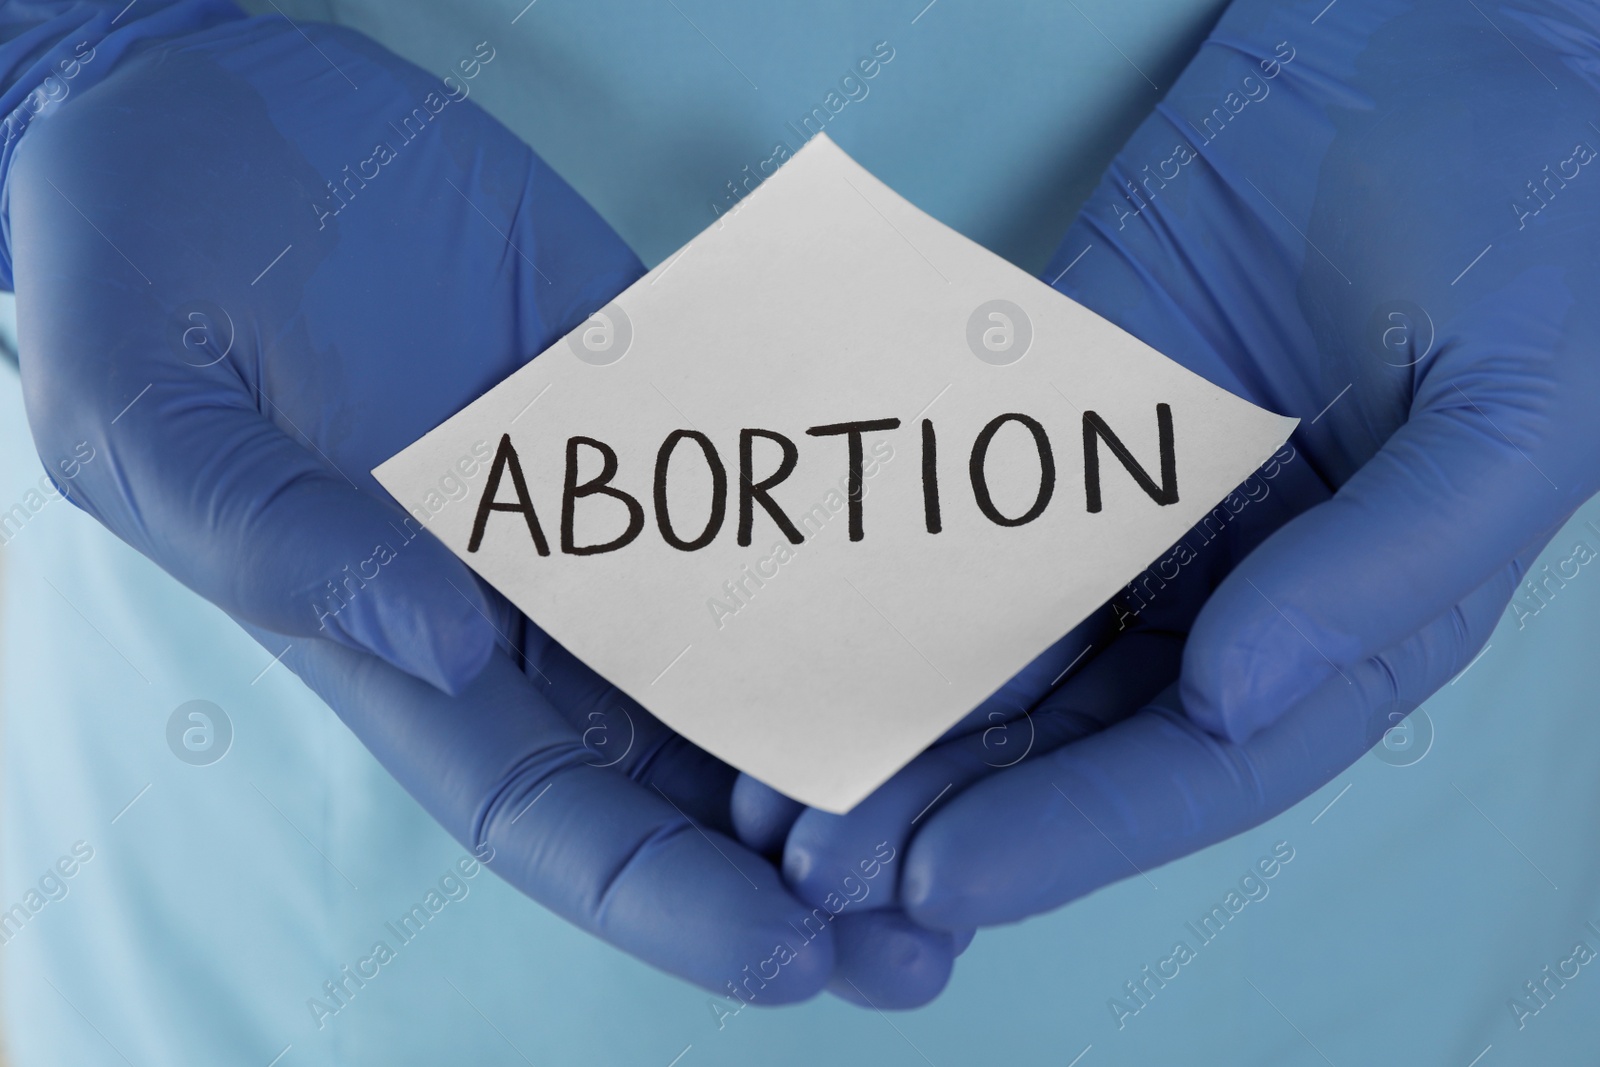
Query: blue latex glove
(239, 343)
(1354, 239)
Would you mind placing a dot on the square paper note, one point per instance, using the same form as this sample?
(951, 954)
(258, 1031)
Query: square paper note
(816, 486)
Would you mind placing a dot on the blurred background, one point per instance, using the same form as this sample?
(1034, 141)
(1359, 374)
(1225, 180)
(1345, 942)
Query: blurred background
(1428, 883)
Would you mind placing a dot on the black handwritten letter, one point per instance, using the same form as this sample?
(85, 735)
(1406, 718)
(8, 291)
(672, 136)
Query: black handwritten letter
(930, 478)
(505, 459)
(752, 491)
(1095, 427)
(1047, 470)
(719, 491)
(854, 430)
(572, 491)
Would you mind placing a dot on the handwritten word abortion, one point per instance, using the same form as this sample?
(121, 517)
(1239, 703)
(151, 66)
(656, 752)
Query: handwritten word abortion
(757, 480)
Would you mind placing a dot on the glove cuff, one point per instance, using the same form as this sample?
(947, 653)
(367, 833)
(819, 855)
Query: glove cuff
(53, 49)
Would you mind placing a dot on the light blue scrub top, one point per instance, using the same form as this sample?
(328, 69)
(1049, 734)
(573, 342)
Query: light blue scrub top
(215, 901)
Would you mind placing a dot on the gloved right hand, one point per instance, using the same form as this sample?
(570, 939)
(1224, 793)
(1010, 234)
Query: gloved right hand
(249, 266)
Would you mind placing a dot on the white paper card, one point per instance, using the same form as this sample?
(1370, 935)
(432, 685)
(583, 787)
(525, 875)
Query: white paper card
(822, 659)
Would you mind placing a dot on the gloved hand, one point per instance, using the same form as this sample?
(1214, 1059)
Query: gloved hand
(250, 264)
(1380, 218)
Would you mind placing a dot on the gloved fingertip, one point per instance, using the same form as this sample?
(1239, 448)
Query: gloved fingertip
(806, 960)
(461, 655)
(447, 646)
(799, 868)
(1204, 706)
(962, 939)
(429, 619)
(885, 961)
(933, 899)
(762, 816)
(1239, 678)
(960, 874)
